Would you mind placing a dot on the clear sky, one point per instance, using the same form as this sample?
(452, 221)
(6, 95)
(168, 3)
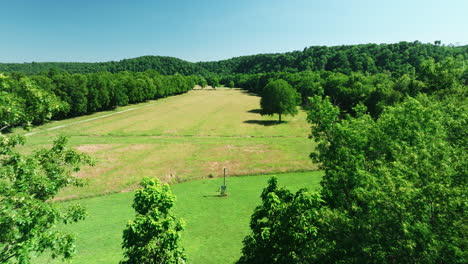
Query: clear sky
(204, 30)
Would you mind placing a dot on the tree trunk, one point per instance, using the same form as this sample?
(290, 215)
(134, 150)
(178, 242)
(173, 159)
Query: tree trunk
(279, 118)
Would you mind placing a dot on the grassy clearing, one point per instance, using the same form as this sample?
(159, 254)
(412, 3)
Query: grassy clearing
(181, 138)
(215, 226)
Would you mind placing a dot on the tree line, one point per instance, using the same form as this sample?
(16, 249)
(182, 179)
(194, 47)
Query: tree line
(374, 91)
(58, 95)
(398, 59)
(161, 64)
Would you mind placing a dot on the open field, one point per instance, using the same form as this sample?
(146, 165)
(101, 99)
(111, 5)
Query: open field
(215, 226)
(190, 136)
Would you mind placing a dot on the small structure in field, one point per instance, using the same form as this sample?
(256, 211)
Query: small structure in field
(223, 187)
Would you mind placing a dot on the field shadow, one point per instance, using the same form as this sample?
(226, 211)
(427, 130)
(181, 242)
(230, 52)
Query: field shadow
(255, 111)
(264, 122)
(248, 93)
(214, 196)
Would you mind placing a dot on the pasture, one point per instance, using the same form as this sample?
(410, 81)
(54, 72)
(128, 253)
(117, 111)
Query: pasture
(180, 138)
(215, 226)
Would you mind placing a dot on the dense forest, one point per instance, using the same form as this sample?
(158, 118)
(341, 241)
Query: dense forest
(58, 95)
(163, 65)
(375, 91)
(400, 58)
(394, 154)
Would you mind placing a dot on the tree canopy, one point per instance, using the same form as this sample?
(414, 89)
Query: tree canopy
(393, 191)
(282, 229)
(57, 95)
(278, 97)
(27, 185)
(154, 235)
(398, 58)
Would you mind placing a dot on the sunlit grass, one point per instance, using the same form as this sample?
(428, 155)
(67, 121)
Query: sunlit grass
(180, 138)
(215, 226)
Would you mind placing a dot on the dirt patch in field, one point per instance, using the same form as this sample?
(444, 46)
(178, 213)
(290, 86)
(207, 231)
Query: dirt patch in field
(104, 160)
(249, 149)
(92, 148)
(172, 177)
(131, 147)
(215, 168)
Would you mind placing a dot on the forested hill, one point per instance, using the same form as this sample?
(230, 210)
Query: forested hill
(372, 58)
(163, 65)
(402, 57)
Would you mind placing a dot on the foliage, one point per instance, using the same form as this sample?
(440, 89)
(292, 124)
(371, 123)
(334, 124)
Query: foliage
(399, 58)
(375, 91)
(153, 237)
(27, 185)
(23, 102)
(283, 227)
(212, 81)
(163, 65)
(55, 95)
(393, 191)
(394, 188)
(280, 98)
(395, 179)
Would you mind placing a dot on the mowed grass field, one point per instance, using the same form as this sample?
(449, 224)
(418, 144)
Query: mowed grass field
(215, 226)
(180, 138)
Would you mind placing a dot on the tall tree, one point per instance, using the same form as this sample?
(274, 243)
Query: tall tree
(280, 98)
(153, 236)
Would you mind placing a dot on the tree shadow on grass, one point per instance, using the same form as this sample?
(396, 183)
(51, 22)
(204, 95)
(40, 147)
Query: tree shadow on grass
(255, 111)
(249, 93)
(264, 122)
(214, 196)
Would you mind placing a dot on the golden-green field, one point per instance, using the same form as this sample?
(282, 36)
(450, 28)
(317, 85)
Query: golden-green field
(190, 136)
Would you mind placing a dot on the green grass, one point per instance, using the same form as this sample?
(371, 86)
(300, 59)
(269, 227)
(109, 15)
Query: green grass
(181, 138)
(215, 226)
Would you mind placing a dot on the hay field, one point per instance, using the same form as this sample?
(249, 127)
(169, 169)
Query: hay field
(180, 138)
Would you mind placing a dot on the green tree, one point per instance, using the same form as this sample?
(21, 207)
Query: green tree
(393, 190)
(213, 81)
(153, 236)
(28, 183)
(202, 82)
(23, 101)
(280, 98)
(393, 186)
(283, 227)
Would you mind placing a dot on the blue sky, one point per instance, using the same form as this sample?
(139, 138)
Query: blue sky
(204, 30)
